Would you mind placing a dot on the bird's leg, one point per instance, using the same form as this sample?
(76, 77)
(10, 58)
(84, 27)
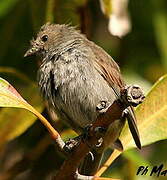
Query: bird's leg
(98, 132)
(92, 161)
(72, 143)
(84, 137)
(101, 108)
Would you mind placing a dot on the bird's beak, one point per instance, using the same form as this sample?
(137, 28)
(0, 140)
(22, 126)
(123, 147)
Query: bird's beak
(32, 51)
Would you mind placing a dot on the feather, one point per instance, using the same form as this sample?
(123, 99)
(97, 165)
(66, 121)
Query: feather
(110, 71)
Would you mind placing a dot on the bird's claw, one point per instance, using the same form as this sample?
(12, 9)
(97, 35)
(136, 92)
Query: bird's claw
(71, 144)
(99, 132)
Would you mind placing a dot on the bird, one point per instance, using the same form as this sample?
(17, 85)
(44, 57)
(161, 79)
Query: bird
(74, 76)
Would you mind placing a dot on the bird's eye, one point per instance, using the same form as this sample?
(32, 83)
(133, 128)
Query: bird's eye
(44, 38)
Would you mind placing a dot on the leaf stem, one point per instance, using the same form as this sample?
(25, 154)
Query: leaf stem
(54, 134)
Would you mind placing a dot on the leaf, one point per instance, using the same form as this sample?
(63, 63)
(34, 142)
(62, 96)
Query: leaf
(136, 157)
(152, 121)
(6, 5)
(12, 124)
(151, 116)
(9, 97)
(68, 134)
(160, 28)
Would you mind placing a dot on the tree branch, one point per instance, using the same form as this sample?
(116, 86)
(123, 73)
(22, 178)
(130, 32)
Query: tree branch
(69, 168)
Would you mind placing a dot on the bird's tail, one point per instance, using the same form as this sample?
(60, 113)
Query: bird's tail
(91, 162)
(132, 122)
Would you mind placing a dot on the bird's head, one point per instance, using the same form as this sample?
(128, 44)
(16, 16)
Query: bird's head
(48, 37)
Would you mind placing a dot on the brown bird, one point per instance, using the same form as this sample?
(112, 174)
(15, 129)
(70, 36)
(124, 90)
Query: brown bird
(74, 77)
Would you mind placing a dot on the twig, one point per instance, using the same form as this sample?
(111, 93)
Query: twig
(69, 167)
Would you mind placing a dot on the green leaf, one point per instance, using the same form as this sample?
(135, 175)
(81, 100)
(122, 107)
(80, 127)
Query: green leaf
(136, 157)
(151, 117)
(152, 121)
(67, 134)
(9, 97)
(6, 5)
(160, 28)
(14, 122)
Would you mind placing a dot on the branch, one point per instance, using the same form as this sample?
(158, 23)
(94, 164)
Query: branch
(69, 168)
(108, 113)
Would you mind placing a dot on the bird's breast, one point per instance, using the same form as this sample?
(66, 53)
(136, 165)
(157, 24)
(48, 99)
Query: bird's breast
(78, 88)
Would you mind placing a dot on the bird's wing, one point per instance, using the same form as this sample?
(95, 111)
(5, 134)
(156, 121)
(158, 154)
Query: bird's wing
(110, 71)
(107, 67)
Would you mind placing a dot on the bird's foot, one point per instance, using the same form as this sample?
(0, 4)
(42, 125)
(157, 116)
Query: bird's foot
(72, 143)
(99, 132)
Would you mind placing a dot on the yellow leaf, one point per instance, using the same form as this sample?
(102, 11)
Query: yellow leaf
(151, 117)
(12, 124)
(152, 121)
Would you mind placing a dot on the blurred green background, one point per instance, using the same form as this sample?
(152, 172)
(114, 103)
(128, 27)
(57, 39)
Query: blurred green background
(26, 150)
